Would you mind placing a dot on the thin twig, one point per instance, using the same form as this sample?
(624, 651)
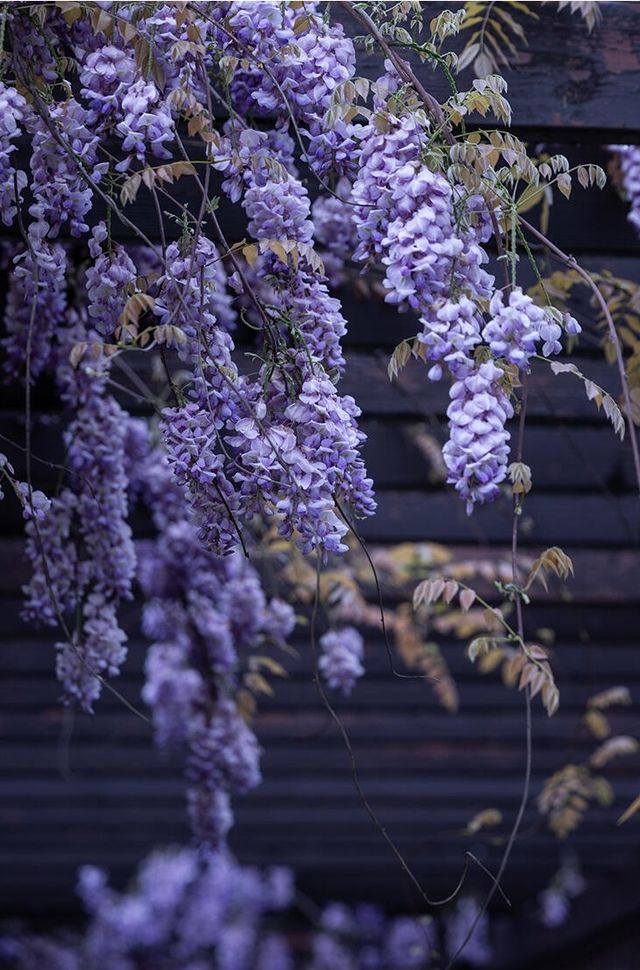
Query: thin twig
(571, 262)
(524, 798)
(358, 785)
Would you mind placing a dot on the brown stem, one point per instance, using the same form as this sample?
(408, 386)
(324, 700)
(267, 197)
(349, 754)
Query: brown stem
(524, 798)
(572, 263)
(404, 70)
(500, 248)
(356, 778)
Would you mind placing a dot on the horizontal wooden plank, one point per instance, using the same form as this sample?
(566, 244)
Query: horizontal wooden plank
(347, 848)
(560, 398)
(43, 758)
(436, 515)
(561, 519)
(428, 788)
(368, 855)
(565, 79)
(381, 693)
(274, 726)
(32, 658)
(600, 576)
(576, 458)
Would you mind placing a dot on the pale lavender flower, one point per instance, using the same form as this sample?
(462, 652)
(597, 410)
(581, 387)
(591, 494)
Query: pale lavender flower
(477, 451)
(146, 125)
(477, 951)
(409, 943)
(59, 187)
(629, 156)
(108, 280)
(13, 112)
(35, 306)
(518, 327)
(341, 657)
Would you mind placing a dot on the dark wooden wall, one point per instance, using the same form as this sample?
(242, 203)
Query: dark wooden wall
(92, 789)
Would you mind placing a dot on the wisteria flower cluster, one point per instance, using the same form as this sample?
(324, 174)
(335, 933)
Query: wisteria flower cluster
(629, 157)
(428, 235)
(239, 444)
(81, 551)
(188, 913)
(232, 451)
(206, 615)
(340, 662)
(182, 912)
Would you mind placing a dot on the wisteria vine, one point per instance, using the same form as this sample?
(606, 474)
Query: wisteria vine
(105, 107)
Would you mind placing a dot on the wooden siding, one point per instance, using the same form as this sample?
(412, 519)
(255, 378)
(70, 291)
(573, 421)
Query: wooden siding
(93, 789)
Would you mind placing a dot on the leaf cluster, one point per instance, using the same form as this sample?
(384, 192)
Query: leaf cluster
(567, 794)
(552, 560)
(492, 44)
(600, 397)
(524, 666)
(424, 656)
(498, 32)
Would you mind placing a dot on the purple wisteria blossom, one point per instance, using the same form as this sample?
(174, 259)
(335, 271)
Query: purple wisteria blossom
(146, 124)
(629, 156)
(206, 613)
(107, 280)
(64, 163)
(13, 112)
(35, 306)
(477, 451)
(82, 554)
(106, 74)
(341, 655)
(518, 327)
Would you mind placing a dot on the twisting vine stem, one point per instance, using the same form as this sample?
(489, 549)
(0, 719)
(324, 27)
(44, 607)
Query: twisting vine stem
(572, 263)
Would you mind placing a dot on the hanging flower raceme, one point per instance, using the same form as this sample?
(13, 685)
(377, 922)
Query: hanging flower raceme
(108, 279)
(124, 102)
(106, 74)
(199, 468)
(306, 463)
(13, 113)
(293, 65)
(194, 431)
(340, 660)
(434, 267)
(431, 251)
(477, 451)
(518, 327)
(205, 613)
(64, 163)
(35, 305)
(383, 155)
(629, 156)
(146, 126)
(82, 553)
(286, 443)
